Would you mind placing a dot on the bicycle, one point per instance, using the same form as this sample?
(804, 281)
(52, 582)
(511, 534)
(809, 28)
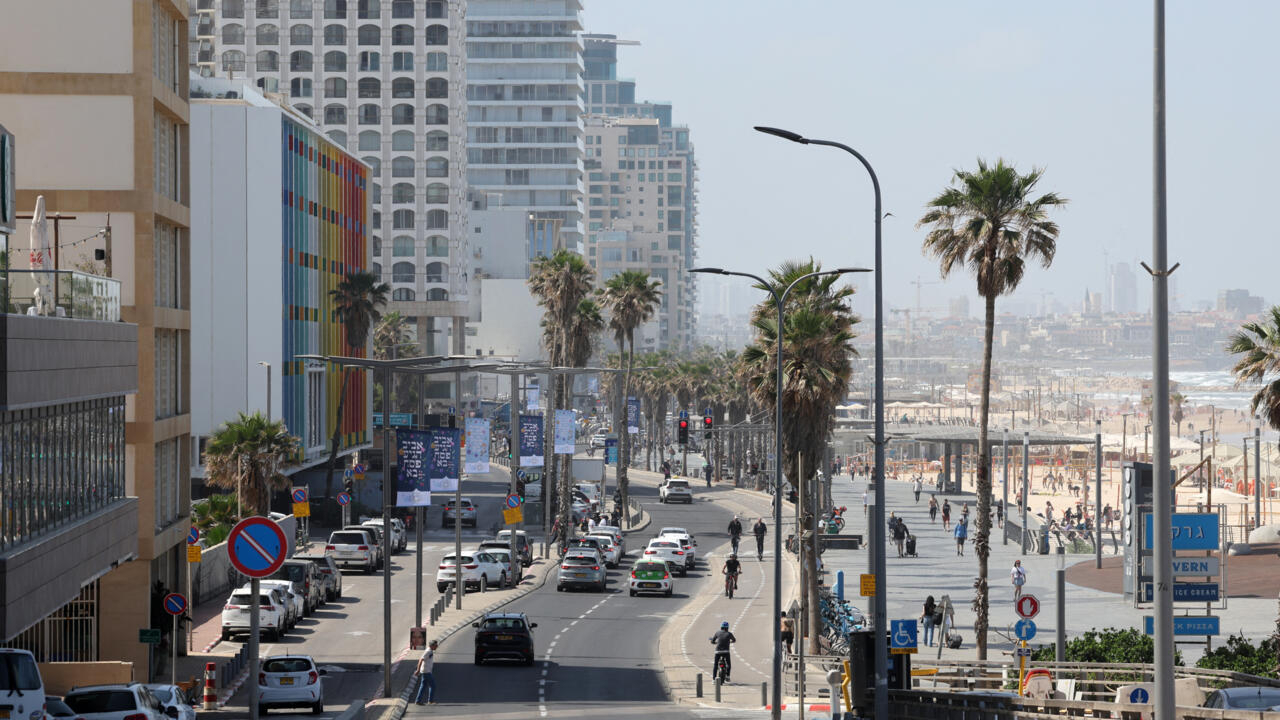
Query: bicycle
(722, 668)
(730, 584)
(734, 540)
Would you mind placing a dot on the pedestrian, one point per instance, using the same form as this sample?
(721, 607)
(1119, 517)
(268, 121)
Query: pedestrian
(962, 534)
(1019, 578)
(864, 503)
(706, 470)
(1106, 517)
(926, 619)
(917, 486)
(788, 630)
(946, 514)
(899, 536)
(964, 513)
(1000, 514)
(1048, 510)
(933, 509)
(426, 676)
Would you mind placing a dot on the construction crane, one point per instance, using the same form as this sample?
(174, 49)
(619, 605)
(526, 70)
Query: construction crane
(918, 282)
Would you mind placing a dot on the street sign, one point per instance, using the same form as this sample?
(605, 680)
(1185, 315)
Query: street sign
(348, 474)
(867, 585)
(1022, 652)
(453, 410)
(358, 471)
(1187, 566)
(343, 498)
(1027, 606)
(1190, 531)
(175, 603)
(193, 536)
(150, 636)
(302, 509)
(1186, 625)
(513, 516)
(520, 473)
(257, 547)
(193, 553)
(1024, 629)
(902, 637)
(513, 501)
(397, 419)
(299, 495)
(684, 414)
(1139, 695)
(1188, 592)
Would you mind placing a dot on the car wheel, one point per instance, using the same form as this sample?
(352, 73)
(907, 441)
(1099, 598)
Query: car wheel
(528, 662)
(484, 583)
(226, 634)
(667, 593)
(441, 588)
(559, 588)
(368, 568)
(479, 659)
(317, 707)
(633, 593)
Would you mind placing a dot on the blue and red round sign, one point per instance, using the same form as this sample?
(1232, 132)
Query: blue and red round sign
(193, 536)
(257, 547)
(299, 495)
(175, 603)
(343, 498)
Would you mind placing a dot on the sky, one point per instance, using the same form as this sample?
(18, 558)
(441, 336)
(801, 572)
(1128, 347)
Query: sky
(925, 87)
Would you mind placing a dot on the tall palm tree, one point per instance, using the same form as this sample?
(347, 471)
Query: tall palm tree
(1176, 402)
(631, 298)
(247, 454)
(816, 369)
(989, 222)
(357, 303)
(1258, 345)
(391, 340)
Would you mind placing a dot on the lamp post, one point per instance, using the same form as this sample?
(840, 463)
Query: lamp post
(267, 365)
(878, 546)
(780, 303)
(1004, 507)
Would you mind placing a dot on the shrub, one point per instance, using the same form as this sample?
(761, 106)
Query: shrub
(1240, 655)
(1110, 645)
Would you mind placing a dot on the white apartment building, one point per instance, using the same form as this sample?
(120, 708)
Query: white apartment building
(524, 116)
(386, 79)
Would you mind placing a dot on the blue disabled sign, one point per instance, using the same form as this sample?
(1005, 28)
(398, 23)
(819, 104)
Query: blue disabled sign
(175, 603)
(1024, 629)
(902, 636)
(1139, 695)
(257, 547)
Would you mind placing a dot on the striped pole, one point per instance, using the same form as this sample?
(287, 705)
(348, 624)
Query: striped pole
(210, 687)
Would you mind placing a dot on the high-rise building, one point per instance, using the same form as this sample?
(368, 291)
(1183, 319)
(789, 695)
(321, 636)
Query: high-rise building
(97, 95)
(387, 81)
(524, 108)
(1123, 289)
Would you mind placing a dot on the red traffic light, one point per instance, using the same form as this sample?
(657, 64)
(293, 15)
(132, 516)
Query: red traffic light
(684, 424)
(706, 421)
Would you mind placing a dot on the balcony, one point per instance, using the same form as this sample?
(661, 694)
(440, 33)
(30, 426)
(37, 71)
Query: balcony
(60, 293)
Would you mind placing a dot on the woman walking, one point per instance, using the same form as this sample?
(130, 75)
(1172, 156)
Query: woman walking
(927, 620)
(788, 630)
(946, 514)
(933, 509)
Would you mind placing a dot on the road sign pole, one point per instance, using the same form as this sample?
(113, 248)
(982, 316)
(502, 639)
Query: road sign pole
(1022, 669)
(173, 643)
(1061, 654)
(419, 518)
(252, 680)
(388, 502)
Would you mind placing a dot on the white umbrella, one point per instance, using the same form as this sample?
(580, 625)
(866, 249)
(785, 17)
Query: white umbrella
(41, 259)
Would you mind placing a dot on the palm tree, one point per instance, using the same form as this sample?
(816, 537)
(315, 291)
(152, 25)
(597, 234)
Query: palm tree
(247, 455)
(632, 298)
(816, 371)
(391, 340)
(989, 222)
(1176, 401)
(357, 303)
(1258, 345)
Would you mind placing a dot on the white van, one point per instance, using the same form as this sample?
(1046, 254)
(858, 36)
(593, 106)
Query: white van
(21, 688)
(591, 490)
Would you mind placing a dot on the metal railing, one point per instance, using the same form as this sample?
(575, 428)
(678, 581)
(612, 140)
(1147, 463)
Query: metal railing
(918, 705)
(60, 293)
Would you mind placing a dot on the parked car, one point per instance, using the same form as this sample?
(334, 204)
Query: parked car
(668, 550)
(502, 551)
(55, 709)
(305, 577)
(581, 570)
(350, 547)
(675, 490)
(479, 569)
(290, 681)
(116, 702)
(329, 572)
(450, 511)
(399, 538)
(1255, 697)
(23, 695)
(236, 617)
(295, 605)
(612, 553)
(172, 696)
(375, 539)
(522, 544)
(504, 635)
(651, 576)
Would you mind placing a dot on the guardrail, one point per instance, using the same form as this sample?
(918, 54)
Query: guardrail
(920, 705)
(60, 293)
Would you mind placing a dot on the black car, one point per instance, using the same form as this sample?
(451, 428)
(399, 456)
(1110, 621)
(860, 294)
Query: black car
(507, 636)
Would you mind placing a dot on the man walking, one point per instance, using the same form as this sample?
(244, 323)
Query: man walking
(961, 534)
(427, 680)
(917, 486)
(1019, 578)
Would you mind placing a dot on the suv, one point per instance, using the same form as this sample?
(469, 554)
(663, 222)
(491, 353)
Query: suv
(328, 568)
(675, 490)
(22, 686)
(522, 544)
(504, 635)
(399, 538)
(349, 547)
(478, 568)
(305, 577)
(295, 606)
(582, 570)
(468, 513)
(271, 614)
(375, 539)
(117, 702)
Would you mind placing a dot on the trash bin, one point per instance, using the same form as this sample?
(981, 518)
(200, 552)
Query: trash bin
(1044, 540)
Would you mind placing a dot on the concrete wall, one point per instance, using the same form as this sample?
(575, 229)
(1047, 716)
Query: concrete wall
(59, 678)
(214, 577)
(53, 360)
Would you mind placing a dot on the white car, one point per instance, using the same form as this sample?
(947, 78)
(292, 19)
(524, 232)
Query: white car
(668, 550)
(350, 547)
(501, 554)
(675, 490)
(115, 702)
(687, 543)
(479, 569)
(172, 696)
(651, 576)
(612, 553)
(591, 490)
(399, 538)
(271, 614)
(294, 605)
(290, 681)
(598, 440)
(617, 536)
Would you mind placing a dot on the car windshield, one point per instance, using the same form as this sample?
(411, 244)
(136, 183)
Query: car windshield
(164, 695)
(502, 624)
(677, 484)
(286, 665)
(102, 701)
(347, 538)
(57, 708)
(245, 598)
(295, 573)
(20, 672)
(1254, 699)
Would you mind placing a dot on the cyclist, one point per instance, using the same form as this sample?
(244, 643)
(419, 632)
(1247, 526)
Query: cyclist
(735, 532)
(759, 529)
(722, 640)
(732, 568)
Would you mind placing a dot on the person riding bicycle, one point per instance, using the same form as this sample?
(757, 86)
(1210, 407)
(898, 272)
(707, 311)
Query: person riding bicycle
(722, 640)
(732, 568)
(759, 529)
(735, 532)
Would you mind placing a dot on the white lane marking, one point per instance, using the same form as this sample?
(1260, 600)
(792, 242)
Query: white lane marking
(575, 622)
(582, 617)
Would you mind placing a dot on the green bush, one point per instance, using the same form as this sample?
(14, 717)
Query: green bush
(1240, 655)
(1110, 645)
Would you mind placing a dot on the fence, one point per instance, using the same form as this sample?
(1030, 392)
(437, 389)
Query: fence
(917, 705)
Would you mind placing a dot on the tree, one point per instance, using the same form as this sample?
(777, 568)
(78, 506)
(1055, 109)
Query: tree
(631, 299)
(816, 368)
(1258, 345)
(357, 301)
(391, 340)
(1176, 401)
(989, 222)
(247, 454)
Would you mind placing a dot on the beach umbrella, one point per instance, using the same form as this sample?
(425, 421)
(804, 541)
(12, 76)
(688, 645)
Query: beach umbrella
(41, 259)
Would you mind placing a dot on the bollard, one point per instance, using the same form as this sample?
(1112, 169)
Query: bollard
(210, 690)
(764, 694)
(698, 690)
(717, 689)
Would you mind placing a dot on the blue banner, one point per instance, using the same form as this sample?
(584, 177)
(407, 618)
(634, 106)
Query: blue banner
(1187, 592)
(531, 452)
(1190, 531)
(413, 489)
(564, 435)
(398, 419)
(444, 459)
(477, 446)
(1186, 625)
(633, 415)
(611, 451)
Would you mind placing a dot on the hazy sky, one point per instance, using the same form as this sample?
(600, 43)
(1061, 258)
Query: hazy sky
(922, 88)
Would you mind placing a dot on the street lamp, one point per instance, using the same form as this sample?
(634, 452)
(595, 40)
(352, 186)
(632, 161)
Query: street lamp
(878, 546)
(267, 365)
(780, 302)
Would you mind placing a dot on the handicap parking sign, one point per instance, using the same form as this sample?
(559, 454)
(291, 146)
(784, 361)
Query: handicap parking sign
(902, 636)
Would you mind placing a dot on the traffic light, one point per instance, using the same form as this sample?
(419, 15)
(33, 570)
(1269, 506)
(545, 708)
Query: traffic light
(706, 427)
(683, 435)
(347, 486)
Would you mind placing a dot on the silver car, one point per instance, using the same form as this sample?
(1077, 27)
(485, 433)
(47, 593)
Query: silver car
(582, 570)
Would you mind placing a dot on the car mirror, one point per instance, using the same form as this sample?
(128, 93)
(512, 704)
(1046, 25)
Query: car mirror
(475, 624)
(533, 625)
(171, 711)
(324, 672)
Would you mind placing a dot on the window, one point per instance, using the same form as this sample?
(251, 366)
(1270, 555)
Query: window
(300, 87)
(437, 246)
(268, 35)
(370, 141)
(232, 8)
(168, 374)
(437, 88)
(402, 220)
(438, 141)
(316, 409)
(437, 62)
(402, 294)
(232, 34)
(402, 140)
(402, 61)
(377, 269)
(334, 114)
(369, 9)
(435, 9)
(300, 61)
(168, 265)
(437, 193)
(300, 9)
(369, 88)
(268, 61)
(335, 9)
(401, 8)
(437, 294)
(377, 247)
(437, 167)
(338, 137)
(300, 35)
(369, 61)
(335, 61)
(268, 9)
(377, 219)
(402, 35)
(369, 35)
(335, 35)
(402, 167)
(233, 60)
(437, 35)
(402, 88)
(370, 114)
(402, 246)
(437, 219)
(402, 272)
(305, 109)
(437, 272)
(402, 193)
(335, 87)
(437, 115)
(168, 476)
(375, 167)
(402, 114)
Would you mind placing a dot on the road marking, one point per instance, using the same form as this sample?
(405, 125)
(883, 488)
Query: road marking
(575, 622)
